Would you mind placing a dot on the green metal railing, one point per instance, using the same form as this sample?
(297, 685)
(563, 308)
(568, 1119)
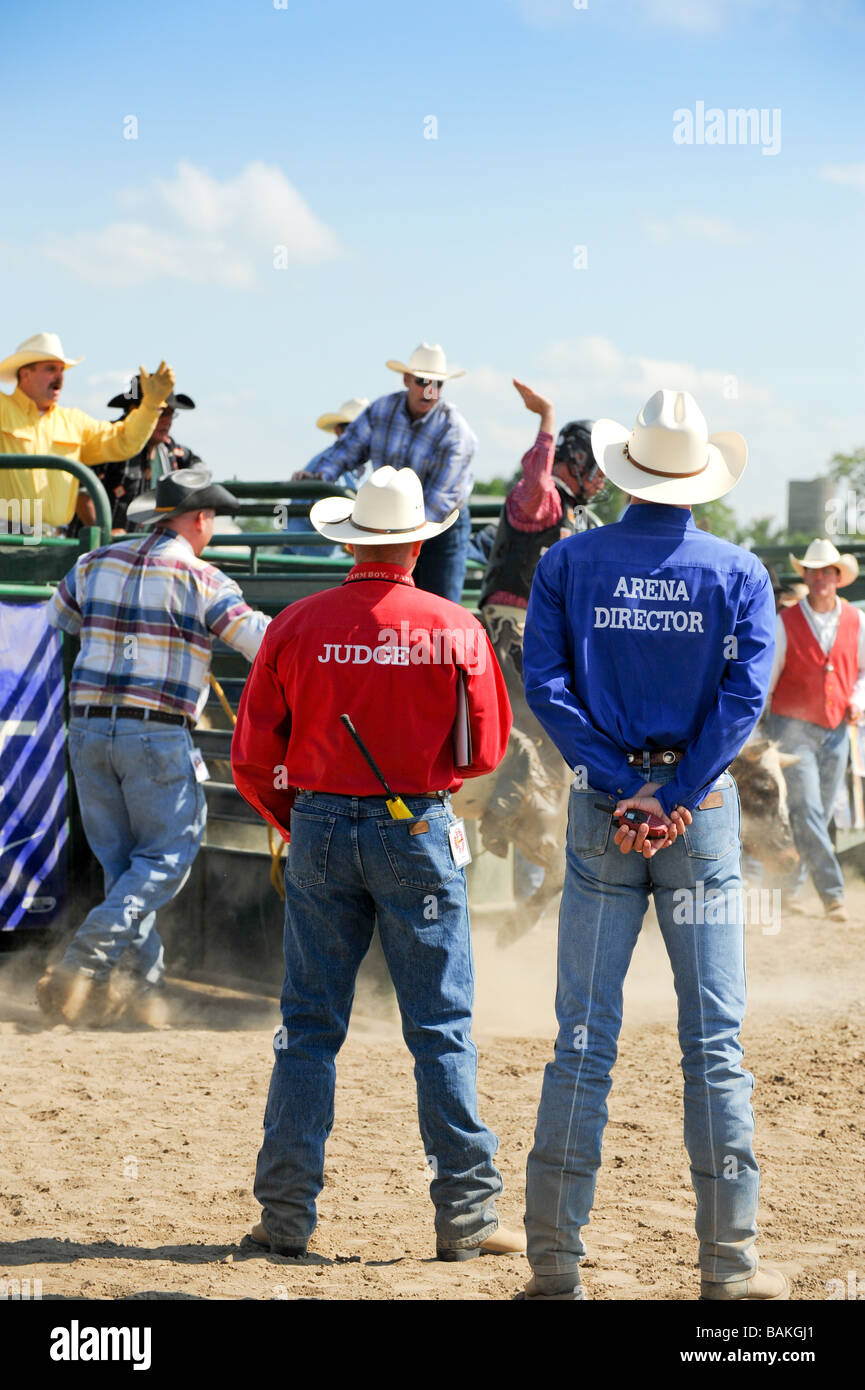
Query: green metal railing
(86, 477)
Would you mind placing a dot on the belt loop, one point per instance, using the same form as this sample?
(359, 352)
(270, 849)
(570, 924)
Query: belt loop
(647, 765)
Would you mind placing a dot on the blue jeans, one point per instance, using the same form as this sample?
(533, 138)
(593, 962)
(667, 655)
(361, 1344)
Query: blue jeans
(349, 865)
(605, 898)
(144, 815)
(441, 566)
(528, 877)
(812, 790)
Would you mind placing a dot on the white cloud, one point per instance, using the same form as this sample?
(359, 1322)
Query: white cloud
(199, 230)
(590, 377)
(849, 175)
(697, 17)
(548, 14)
(716, 229)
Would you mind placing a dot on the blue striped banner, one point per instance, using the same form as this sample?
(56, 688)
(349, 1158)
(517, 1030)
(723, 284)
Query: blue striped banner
(33, 824)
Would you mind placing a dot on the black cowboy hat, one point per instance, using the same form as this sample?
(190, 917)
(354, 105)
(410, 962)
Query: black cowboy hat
(127, 400)
(186, 490)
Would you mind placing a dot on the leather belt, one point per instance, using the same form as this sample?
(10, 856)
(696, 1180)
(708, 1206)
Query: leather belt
(656, 757)
(373, 796)
(129, 712)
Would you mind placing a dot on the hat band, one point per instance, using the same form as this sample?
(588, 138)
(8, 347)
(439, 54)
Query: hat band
(386, 530)
(663, 472)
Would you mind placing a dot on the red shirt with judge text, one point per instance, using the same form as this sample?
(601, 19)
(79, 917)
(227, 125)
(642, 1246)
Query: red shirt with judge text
(388, 655)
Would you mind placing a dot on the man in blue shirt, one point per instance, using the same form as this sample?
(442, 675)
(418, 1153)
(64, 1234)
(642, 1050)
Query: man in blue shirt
(332, 422)
(416, 428)
(647, 656)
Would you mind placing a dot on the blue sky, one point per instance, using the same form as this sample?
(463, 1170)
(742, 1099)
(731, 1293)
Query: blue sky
(717, 268)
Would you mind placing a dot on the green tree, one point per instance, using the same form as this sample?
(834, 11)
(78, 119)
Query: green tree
(849, 466)
(763, 530)
(492, 487)
(719, 518)
(609, 504)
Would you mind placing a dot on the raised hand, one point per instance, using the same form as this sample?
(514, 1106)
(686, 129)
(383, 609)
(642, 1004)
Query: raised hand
(156, 386)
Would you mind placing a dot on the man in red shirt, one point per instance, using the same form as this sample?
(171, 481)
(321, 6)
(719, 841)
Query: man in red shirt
(418, 678)
(817, 689)
(527, 804)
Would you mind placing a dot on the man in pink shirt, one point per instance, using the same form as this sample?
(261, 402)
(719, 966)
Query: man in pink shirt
(547, 503)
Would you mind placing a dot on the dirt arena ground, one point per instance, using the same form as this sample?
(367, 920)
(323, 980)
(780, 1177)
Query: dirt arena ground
(128, 1155)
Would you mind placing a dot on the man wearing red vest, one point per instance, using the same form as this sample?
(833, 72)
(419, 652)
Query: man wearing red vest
(818, 688)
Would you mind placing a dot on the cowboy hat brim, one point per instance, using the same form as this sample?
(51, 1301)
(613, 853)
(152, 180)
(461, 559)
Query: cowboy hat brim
(847, 564)
(9, 366)
(176, 401)
(331, 518)
(727, 458)
(143, 509)
(430, 376)
(329, 421)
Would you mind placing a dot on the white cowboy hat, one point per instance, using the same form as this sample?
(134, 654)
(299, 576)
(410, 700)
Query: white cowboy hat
(669, 456)
(42, 347)
(348, 411)
(428, 361)
(821, 553)
(388, 510)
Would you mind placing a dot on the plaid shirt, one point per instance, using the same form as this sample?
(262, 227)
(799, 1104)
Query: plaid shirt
(439, 446)
(145, 609)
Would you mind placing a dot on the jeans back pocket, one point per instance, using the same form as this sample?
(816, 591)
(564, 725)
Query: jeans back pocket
(588, 828)
(714, 832)
(419, 861)
(306, 863)
(166, 757)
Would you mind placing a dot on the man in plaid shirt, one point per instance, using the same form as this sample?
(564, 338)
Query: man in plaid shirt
(416, 428)
(145, 610)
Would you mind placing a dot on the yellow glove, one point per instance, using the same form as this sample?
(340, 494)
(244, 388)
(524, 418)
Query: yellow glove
(156, 386)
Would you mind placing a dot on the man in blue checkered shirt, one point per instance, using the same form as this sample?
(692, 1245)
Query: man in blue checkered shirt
(416, 428)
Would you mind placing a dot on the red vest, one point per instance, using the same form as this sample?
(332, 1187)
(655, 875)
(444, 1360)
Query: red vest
(812, 685)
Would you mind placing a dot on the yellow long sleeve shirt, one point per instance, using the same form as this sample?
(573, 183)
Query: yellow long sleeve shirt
(71, 434)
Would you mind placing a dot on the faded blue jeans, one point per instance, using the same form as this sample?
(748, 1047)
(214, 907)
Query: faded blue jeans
(813, 785)
(605, 898)
(144, 816)
(349, 865)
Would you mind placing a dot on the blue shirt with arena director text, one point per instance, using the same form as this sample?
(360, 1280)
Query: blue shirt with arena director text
(649, 633)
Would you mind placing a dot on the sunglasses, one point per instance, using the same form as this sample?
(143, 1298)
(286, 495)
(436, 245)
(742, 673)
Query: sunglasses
(427, 381)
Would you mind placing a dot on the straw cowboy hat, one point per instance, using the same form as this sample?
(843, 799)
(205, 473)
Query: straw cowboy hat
(42, 347)
(427, 361)
(127, 400)
(669, 456)
(186, 490)
(821, 553)
(388, 510)
(348, 411)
